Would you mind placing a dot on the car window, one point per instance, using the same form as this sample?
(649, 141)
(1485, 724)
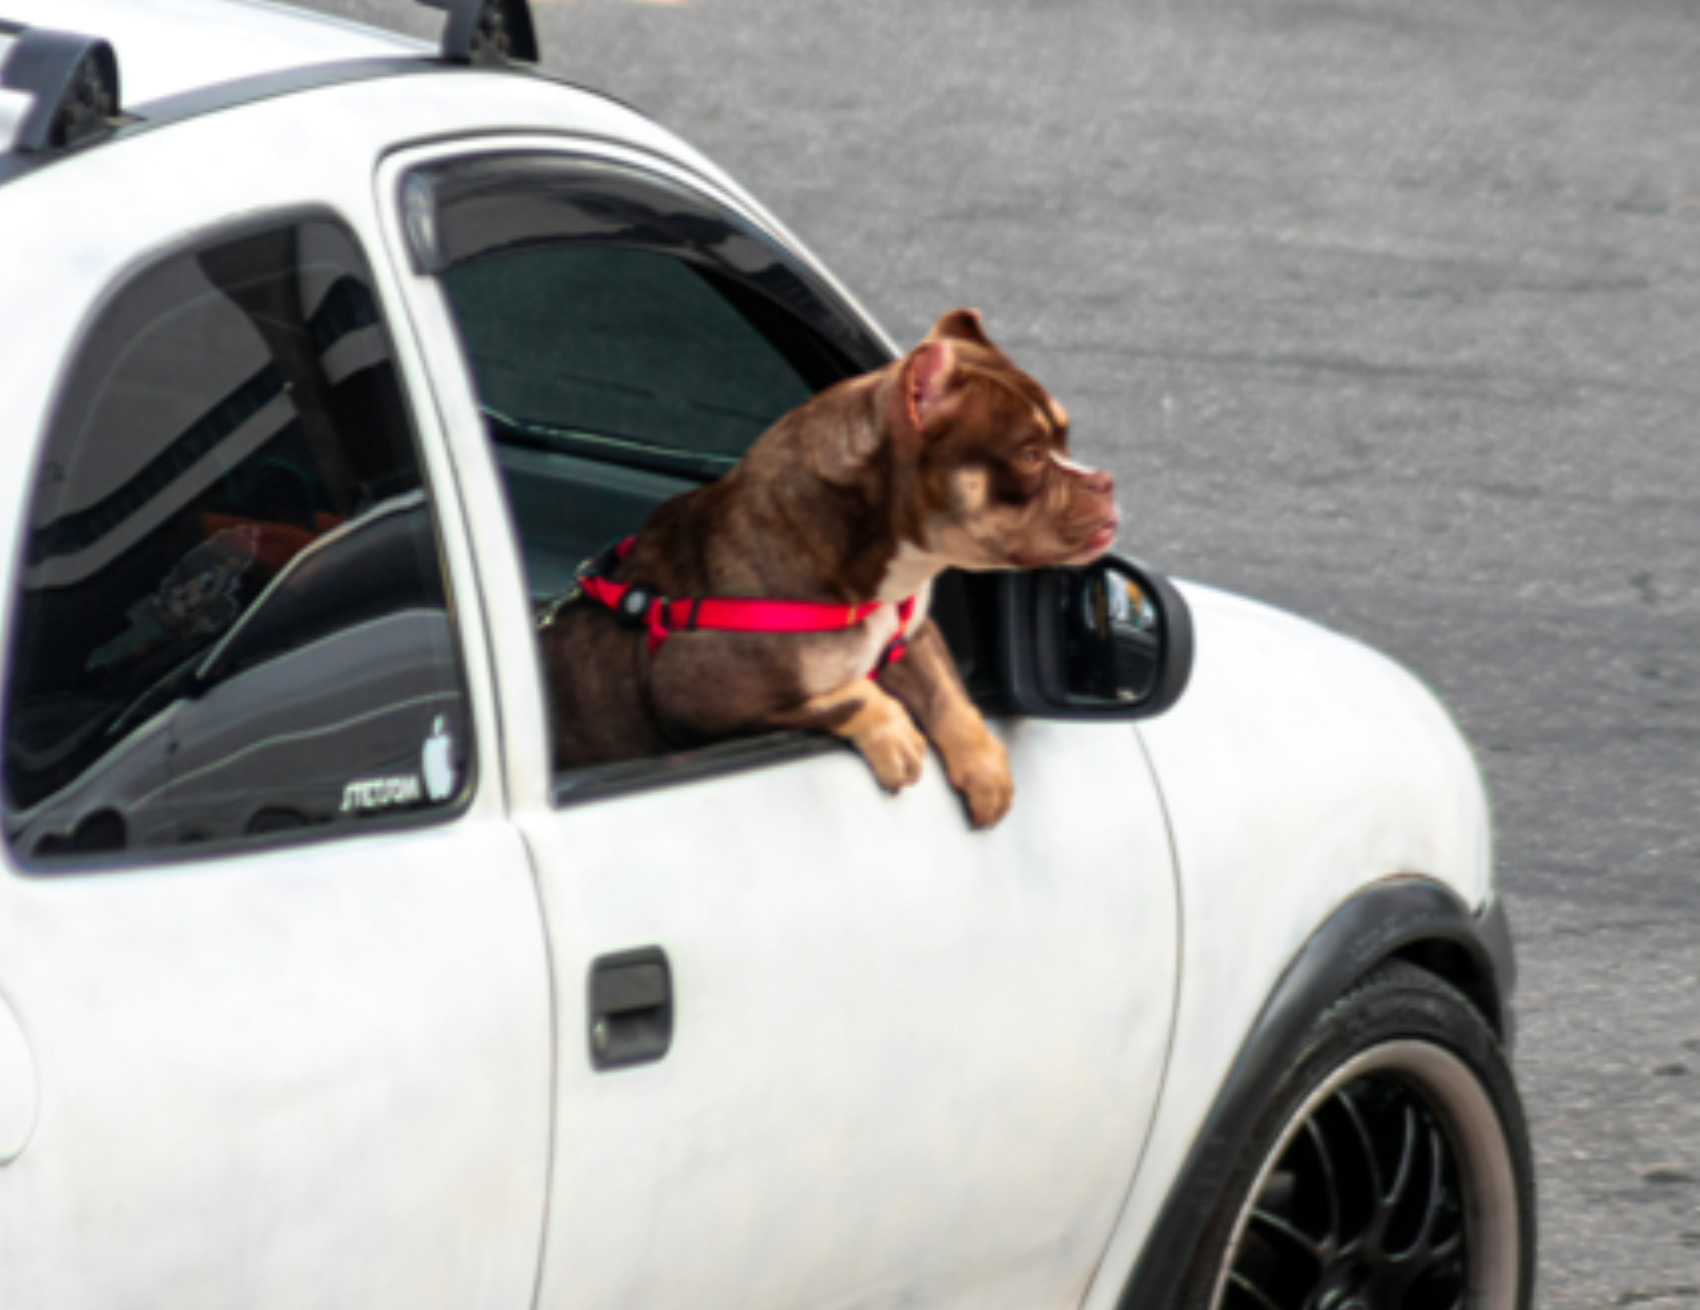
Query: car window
(628, 337)
(618, 346)
(233, 621)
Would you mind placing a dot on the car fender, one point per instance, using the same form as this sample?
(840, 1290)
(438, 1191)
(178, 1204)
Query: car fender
(1305, 776)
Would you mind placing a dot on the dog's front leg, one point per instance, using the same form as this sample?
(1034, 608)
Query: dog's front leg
(876, 724)
(975, 761)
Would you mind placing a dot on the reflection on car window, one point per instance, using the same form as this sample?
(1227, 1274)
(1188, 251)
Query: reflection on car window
(233, 619)
(619, 345)
(628, 337)
(623, 317)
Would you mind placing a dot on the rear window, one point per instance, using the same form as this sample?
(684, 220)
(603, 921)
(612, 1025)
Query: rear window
(233, 621)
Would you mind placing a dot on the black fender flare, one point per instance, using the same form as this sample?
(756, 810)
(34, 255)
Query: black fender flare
(1411, 918)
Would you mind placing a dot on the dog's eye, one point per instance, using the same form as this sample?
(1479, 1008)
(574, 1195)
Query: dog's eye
(1030, 459)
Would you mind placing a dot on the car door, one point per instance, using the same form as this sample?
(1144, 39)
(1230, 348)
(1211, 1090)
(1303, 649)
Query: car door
(272, 979)
(817, 1045)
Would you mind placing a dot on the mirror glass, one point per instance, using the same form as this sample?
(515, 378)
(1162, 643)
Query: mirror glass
(1112, 635)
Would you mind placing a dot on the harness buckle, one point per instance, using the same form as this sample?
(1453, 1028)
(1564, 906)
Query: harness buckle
(633, 609)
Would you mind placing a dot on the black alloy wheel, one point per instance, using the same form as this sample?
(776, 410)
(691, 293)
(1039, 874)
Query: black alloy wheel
(1391, 1171)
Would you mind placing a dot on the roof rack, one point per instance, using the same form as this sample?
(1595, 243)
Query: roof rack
(60, 90)
(65, 89)
(487, 32)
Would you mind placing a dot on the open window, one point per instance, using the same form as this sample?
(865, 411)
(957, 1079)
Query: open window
(628, 339)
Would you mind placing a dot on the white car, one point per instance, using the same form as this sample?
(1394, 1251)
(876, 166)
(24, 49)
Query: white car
(324, 357)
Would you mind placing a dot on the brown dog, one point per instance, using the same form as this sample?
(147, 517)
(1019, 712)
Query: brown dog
(950, 457)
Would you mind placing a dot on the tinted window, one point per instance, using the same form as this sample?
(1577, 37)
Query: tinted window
(620, 316)
(233, 619)
(619, 344)
(628, 337)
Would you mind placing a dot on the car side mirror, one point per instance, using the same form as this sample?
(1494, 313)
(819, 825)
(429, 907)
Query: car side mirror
(1110, 640)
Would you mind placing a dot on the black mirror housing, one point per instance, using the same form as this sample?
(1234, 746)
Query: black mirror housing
(1111, 640)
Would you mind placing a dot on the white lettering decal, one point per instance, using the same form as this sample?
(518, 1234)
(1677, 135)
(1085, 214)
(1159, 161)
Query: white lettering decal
(381, 793)
(438, 762)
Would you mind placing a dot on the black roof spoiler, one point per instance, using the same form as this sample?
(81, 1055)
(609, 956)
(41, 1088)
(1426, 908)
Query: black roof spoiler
(71, 82)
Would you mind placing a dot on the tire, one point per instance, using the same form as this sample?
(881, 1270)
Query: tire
(1390, 1171)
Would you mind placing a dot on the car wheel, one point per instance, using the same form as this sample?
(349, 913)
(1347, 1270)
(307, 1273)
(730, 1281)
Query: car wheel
(1391, 1170)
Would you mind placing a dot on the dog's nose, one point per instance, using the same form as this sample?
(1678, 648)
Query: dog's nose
(1099, 482)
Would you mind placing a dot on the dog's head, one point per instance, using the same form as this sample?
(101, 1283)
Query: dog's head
(989, 447)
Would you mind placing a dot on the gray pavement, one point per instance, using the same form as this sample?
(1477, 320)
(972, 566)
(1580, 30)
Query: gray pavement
(1386, 312)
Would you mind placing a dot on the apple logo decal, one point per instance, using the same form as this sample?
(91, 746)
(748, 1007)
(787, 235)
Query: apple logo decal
(437, 762)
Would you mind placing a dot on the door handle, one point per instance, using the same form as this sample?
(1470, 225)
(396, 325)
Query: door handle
(631, 1008)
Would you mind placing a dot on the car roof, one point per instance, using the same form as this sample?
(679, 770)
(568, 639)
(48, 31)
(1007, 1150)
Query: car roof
(171, 47)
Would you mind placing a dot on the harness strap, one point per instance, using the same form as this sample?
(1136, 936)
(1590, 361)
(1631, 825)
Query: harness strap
(662, 616)
(898, 646)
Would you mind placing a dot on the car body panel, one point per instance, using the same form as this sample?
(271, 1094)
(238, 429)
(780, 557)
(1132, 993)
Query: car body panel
(911, 1064)
(326, 1066)
(1299, 767)
(869, 994)
(312, 1076)
(169, 47)
(1414, 919)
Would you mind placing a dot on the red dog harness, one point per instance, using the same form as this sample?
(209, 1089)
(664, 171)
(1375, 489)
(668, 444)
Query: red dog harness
(662, 616)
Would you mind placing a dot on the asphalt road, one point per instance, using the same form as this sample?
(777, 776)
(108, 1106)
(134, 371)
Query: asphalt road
(1386, 312)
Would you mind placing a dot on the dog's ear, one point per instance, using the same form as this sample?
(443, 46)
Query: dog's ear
(960, 325)
(924, 387)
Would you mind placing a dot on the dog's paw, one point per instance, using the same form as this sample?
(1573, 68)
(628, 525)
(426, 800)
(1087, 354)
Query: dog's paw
(982, 776)
(894, 749)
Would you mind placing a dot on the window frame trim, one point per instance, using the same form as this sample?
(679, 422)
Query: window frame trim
(418, 183)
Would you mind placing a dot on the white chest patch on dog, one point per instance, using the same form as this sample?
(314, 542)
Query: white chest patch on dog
(830, 662)
(911, 573)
